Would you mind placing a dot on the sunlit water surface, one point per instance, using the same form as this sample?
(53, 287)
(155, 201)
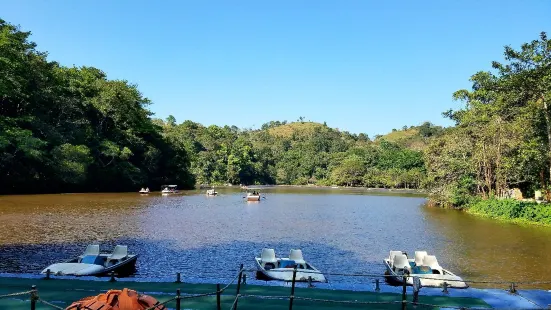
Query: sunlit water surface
(339, 231)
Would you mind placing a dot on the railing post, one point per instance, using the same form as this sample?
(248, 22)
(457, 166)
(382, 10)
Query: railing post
(310, 285)
(178, 278)
(292, 297)
(112, 277)
(34, 297)
(244, 279)
(218, 296)
(404, 292)
(416, 288)
(445, 290)
(238, 286)
(513, 289)
(377, 288)
(178, 300)
(47, 274)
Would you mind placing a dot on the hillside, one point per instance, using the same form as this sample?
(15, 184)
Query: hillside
(299, 128)
(414, 138)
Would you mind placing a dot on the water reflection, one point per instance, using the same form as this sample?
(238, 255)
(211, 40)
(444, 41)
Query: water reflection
(200, 236)
(484, 248)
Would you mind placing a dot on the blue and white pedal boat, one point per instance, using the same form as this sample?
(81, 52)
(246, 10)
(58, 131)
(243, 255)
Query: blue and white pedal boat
(94, 263)
(423, 266)
(271, 267)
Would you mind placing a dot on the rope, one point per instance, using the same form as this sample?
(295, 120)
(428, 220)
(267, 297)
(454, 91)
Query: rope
(348, 301)
(368, 275)
(15, 294)
(235, 302)
(228, 285)
(467, 308)
(154, 307)
(194, 296)
(265, 297)
(321, 300)
(50, 304)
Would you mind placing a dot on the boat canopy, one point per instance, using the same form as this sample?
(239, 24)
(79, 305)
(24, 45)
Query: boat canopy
(170, 186)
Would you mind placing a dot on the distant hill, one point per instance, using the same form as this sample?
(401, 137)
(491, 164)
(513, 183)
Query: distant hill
(414, 137)
(301, 128)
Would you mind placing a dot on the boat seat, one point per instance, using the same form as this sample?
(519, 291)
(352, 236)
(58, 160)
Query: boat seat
(268, 256)
(120, 252)
(400, 262)
(419, 256)
(391, 256)
(296, 255)
(91, 250)
(430, 260)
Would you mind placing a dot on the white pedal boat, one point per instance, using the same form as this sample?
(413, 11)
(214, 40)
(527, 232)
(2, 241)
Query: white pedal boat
(272, 268)
(169, 189)
(423, 266)
(94, 263)
(144, 191)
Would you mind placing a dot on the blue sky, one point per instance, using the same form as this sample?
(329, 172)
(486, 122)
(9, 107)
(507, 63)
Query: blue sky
(361, 66)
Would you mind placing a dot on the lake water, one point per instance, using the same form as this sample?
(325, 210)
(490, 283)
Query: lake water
(339, 231)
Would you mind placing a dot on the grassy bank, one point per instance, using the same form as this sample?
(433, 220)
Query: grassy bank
(511, 210)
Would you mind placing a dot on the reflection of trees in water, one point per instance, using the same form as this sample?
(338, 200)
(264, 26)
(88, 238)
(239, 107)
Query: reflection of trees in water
(68, 218)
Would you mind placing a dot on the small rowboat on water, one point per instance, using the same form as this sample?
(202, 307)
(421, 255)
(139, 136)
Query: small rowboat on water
(253, 194)
(423, 266)
(144, 191)
(169, 189)
(212, 192)
(272, 268)
(94, 263)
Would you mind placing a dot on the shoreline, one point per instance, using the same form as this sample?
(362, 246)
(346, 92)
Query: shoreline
(238, 187)
(517, 221)
(405, 190)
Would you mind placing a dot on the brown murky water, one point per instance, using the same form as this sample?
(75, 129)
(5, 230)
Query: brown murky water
(208, 237)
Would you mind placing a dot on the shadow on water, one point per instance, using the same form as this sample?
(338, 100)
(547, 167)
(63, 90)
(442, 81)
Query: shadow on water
(161, 260)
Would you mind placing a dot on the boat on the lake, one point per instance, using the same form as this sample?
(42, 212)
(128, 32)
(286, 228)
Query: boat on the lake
(212, 192)
(94, 263)
(423, 266)
(169, 189)
(271, 267)
(253, 194)
(144, 190)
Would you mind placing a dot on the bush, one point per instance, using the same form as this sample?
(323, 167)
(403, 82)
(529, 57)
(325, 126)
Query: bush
(509, 209)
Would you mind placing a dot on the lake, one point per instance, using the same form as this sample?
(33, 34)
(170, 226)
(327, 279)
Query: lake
(206, 238)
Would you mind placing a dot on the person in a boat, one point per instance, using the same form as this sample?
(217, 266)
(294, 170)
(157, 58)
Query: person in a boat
(147, 189)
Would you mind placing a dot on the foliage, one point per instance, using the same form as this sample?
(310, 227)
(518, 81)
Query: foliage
(72, 129)
(413, 137)
(509, 209)
(297, 153)
(502, 137)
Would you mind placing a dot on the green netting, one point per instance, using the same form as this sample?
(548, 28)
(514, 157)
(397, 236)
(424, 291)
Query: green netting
(63, 292)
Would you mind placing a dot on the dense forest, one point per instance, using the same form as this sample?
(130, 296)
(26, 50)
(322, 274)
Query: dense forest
(66, 129)
(502, 136)
(297, 153)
